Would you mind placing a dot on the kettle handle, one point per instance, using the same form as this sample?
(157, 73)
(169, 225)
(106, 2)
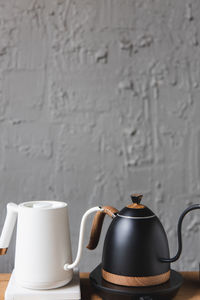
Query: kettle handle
(98, 223)
(11, 217)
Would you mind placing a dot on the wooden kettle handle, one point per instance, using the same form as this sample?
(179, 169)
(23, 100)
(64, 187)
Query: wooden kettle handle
(97, 225)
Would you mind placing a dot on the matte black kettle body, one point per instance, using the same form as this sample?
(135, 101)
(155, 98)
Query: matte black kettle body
(136, 250)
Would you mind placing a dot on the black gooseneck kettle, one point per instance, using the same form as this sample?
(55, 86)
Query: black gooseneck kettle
(136, 250)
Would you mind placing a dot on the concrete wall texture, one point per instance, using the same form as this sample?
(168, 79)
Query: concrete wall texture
(99, 99)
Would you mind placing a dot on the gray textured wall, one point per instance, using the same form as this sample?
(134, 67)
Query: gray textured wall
(99, 99)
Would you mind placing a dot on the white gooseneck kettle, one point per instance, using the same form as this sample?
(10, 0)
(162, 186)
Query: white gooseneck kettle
(43, 257)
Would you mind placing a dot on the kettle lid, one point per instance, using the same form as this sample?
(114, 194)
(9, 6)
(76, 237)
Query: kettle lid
(136, 209)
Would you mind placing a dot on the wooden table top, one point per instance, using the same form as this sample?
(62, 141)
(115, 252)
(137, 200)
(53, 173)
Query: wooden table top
(190, 290)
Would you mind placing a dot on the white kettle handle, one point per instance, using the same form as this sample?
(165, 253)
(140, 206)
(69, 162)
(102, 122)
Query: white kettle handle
(11, 217)
(81, 235)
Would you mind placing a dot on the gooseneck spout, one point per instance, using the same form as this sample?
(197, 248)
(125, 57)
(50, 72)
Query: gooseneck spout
(95, 232)
(179, 227)
(81, 235)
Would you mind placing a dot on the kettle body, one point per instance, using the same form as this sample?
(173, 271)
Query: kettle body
(136, 250)
(43, 245)
(43, 256)
(133, 247)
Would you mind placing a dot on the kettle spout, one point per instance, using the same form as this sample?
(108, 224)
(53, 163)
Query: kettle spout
(95, 232)
(179, 227)
(11, 217)
(81, 235)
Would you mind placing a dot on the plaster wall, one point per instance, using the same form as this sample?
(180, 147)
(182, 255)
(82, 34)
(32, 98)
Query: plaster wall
(99, 99)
